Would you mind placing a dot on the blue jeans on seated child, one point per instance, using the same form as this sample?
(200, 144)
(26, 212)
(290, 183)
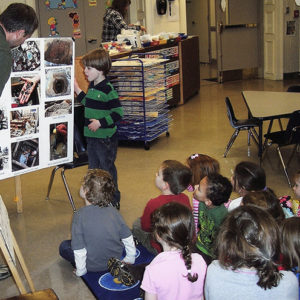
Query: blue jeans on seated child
(66, 252)
(102, 154)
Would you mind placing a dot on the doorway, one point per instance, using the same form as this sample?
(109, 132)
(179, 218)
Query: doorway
(200, 16)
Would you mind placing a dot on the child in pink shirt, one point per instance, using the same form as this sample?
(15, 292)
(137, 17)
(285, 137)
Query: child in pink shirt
(175, 273)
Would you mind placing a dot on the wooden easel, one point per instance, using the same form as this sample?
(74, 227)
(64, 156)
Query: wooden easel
(10, 250)
(12, 266)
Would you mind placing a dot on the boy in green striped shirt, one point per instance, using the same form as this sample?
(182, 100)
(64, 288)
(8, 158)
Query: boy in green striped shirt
(102, 111)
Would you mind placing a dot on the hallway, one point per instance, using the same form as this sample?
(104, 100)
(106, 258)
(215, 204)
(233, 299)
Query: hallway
(201, 125)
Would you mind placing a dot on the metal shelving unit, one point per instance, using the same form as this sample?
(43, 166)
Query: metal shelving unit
(141, 85)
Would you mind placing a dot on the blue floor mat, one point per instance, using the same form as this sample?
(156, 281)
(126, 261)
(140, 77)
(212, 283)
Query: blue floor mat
(103, 287)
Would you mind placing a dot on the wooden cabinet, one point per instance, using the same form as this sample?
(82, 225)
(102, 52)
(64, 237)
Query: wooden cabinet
(189, 68)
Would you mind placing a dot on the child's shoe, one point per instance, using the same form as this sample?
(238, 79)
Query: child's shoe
(119, 270)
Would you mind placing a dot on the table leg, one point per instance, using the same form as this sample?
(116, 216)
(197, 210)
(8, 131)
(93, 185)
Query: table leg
(269, 130)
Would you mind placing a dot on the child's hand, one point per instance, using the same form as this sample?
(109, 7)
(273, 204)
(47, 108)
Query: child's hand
(94, 125)
(77, 89)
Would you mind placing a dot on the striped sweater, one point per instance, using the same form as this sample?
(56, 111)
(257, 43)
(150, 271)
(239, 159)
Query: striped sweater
(101, 102)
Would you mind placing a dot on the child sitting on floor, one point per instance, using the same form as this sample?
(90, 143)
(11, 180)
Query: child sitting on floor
(175, 273)
(266, 200)
(247, 177)
(212, 192)
(290, 245)
(248, 247)
(172, 179)
(201, 165)
(98, 229)
(291, 206)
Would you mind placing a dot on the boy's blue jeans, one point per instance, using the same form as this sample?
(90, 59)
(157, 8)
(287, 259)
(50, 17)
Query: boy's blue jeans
(102, 154)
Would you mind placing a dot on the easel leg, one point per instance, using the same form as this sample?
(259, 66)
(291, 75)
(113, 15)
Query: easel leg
(12, 267)
(18, 194)
(22, 263)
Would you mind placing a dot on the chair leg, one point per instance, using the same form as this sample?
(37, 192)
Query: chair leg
(254, 135)
(248, 141)
(284, 167)
(51, 181)
(68, 190)
(231, 141)
(280, 124)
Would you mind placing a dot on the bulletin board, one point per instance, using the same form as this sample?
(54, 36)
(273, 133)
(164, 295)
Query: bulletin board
(36, 107)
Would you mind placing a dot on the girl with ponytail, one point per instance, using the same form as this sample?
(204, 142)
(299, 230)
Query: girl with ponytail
(175, 273)
(248, 247)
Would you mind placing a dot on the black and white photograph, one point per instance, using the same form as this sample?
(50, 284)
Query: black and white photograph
(26, 57)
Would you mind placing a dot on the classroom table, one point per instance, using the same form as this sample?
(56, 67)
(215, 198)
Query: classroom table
(265, 105)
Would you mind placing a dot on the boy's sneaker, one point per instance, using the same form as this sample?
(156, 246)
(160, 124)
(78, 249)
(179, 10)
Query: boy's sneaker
(4, 272)
(119, 270)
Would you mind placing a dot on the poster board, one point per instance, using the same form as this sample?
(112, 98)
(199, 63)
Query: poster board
(37, 106)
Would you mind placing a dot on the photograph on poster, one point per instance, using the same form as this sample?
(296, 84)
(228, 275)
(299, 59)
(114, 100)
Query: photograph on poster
(25, 90)
(24, 122)
(26, 57)
(25, 154)
(3, 157)
(3, 118)
(58, 52)
(58, 108)
(58, 82)
(58, 140)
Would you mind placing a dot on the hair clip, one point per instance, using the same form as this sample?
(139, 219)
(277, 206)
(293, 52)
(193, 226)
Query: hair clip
(265, 188)
(190, 271)
(193, 156)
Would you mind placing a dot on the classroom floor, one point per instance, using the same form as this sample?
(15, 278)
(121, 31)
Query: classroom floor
(201, 125)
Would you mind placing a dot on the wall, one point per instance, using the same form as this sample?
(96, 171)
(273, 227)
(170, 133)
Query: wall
(291, 61)
(164, 23)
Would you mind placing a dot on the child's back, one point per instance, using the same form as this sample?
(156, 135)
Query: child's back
(100, 230)
(175, 273)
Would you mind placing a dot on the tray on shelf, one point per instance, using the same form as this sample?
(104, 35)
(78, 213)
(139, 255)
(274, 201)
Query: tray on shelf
(142, 87)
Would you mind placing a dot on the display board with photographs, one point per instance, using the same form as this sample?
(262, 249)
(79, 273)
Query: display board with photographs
(36, 107)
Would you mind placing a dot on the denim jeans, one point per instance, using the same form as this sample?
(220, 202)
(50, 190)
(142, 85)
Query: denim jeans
(66, 252)
(102, 154)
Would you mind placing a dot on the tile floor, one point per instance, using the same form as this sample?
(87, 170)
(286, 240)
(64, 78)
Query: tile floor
(201, 125)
